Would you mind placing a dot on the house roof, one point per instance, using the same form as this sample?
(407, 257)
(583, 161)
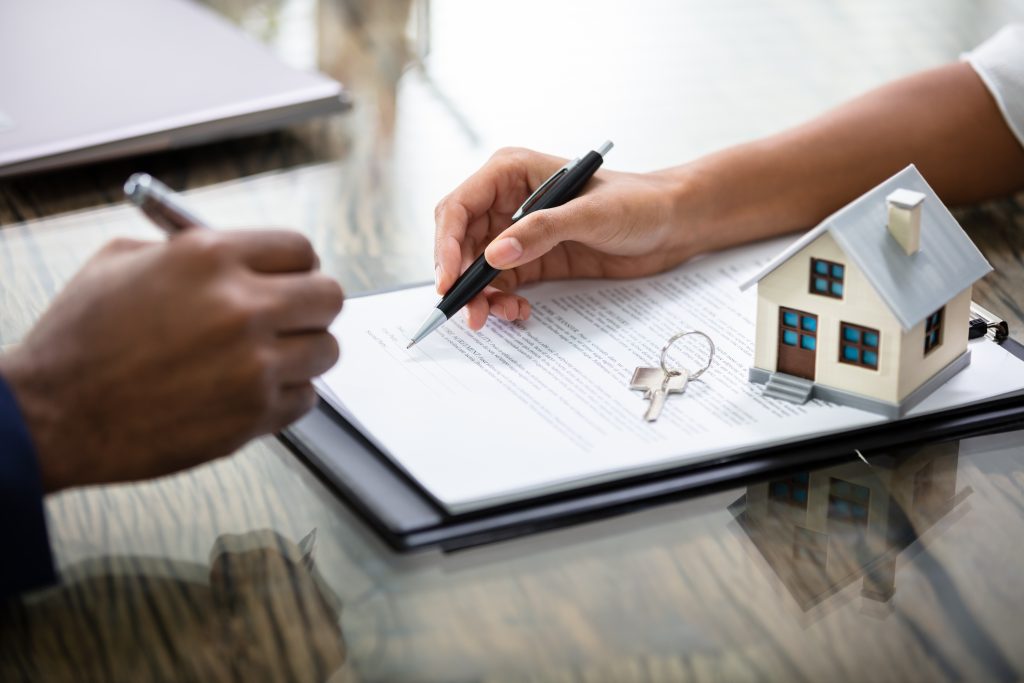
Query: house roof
(913, 286)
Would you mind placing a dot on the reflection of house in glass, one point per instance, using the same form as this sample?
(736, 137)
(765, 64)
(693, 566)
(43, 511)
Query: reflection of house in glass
(822, 530)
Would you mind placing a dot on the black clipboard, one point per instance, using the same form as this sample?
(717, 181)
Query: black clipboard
(408, 518)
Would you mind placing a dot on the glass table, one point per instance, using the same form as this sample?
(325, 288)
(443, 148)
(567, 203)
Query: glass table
(902, 566)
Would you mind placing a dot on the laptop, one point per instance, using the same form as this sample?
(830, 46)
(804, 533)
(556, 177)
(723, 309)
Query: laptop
(85, 81)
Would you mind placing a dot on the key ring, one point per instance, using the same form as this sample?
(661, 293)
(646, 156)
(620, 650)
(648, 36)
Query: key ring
(676, 337)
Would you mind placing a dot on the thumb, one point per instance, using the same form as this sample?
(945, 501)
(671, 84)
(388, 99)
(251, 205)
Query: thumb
(538, 233)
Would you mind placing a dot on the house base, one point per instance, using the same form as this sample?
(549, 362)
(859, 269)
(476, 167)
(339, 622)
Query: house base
(875, 405)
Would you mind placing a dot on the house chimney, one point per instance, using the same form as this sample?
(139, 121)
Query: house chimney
(905, 218)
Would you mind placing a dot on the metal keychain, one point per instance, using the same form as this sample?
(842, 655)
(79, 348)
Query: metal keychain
(657, 383)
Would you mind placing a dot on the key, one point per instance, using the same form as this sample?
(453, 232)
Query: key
(656, 386)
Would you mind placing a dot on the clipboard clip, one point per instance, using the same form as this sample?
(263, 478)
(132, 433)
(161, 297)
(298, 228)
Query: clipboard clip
(985, 324)
(543, 188)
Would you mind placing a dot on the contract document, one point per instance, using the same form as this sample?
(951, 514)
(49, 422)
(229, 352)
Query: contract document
(523, 409)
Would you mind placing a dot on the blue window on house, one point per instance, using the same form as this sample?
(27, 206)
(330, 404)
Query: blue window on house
(798, 329)
(858, 346)
(848, 502)
(933, 330)
(827, 278)
(790, 491)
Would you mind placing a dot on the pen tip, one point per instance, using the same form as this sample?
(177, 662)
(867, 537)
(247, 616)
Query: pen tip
(410, 345)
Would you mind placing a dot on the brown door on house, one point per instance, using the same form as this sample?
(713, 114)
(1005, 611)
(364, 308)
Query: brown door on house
(798, 342)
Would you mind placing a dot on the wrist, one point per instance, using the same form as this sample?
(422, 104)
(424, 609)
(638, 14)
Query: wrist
(741, 194)
(41, 415)
(692, 221)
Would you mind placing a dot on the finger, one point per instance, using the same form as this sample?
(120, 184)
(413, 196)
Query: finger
(454, 222)
(301, 302)
(501, 184)
(476, 312)
(293, 402)
(272, 251)
(475, 196)
(301, 357)
(447, 256)
(507, 281)
(508, 306)
(538, 233)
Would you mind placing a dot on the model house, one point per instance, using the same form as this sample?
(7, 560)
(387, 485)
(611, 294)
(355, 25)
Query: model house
(871, 307)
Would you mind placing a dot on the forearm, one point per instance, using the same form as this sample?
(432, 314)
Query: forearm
(944, 121)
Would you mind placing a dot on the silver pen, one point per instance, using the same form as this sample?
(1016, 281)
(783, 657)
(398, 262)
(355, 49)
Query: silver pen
(160, 204)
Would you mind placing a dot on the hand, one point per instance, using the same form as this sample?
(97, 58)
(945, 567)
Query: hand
(623, 225)
(159, 356)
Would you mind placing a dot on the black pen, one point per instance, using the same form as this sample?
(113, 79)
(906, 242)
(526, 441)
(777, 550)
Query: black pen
(565, 184)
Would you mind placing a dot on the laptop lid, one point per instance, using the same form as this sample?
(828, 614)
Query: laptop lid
(83, 81)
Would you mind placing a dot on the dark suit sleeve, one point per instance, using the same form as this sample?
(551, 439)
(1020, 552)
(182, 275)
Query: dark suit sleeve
(27, 562)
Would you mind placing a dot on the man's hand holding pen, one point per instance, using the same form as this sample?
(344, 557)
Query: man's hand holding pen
(160, 355)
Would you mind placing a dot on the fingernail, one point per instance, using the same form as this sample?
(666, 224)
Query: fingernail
(504, 252)
(437, 277)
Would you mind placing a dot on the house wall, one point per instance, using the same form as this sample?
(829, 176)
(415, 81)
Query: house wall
(915, 367)
(943, 457)
(788, 286)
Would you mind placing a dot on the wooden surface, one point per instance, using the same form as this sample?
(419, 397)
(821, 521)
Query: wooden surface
(249, 568)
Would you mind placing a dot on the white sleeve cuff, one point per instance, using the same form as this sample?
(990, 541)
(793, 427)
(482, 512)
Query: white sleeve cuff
(999, 61)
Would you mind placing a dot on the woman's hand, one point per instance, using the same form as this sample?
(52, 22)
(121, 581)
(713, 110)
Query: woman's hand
(627, 225)
(623, 225)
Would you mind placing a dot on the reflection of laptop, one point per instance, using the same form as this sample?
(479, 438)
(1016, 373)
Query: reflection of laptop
(88, 80)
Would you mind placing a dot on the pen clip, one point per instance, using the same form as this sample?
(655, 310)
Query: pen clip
(543, 188)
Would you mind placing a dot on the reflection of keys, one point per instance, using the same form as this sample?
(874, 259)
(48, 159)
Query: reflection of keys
(656, 386)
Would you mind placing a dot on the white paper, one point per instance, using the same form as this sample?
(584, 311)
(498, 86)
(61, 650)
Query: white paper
(521, 409)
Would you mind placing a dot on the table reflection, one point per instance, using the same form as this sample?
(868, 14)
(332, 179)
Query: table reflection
(823, 530)
(259, 611)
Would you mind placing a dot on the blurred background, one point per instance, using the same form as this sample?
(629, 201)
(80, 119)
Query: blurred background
(439, 85)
